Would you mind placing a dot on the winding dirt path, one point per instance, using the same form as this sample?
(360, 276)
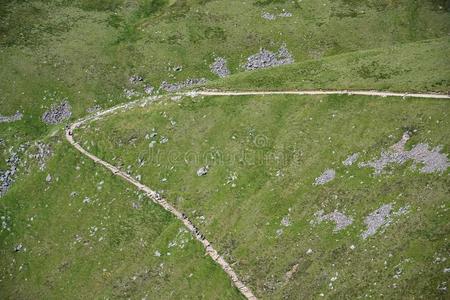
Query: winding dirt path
(156, 198)
(320, 92)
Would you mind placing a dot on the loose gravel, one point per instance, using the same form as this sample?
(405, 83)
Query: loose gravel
(7, 176)
(135, 79)
(173, 87)
(341, 220)
(377, 219)
(266, 59)
(41, 154)
(268, 16)
(57, 113)
(351, 159)
(271, 17)
(432, 160)
(8, 119)
(148, 89)
(326, 176)
(220, 67)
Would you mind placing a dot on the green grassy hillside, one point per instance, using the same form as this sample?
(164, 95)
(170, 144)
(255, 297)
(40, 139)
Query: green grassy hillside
(413, 67)
(104, 240)
(87, 234)
(274, 147)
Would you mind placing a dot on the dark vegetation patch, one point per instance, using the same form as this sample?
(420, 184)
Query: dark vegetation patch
(269, 2)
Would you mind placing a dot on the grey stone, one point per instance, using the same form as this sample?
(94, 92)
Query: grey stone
(18, 248)
(7, 176)
(326, 176)
(267, 59)
(8, 119)
(285, 14)
(148, 89)
(341, 220)
(135, 79)
(173, 87)
(351, 159)
(220, 67)
(57, 113)
(432, 160)
(130, 93)
(203, 171)
(268, 16)
(377, 219)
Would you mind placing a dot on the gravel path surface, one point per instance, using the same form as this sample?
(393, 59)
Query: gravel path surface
(318, 92)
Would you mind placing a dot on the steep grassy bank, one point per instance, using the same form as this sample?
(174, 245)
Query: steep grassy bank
(258, 201)
(86, 234)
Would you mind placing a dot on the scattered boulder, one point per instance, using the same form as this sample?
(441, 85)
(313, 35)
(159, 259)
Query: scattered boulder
(130, 93)
(148, 89)
(135, 79)
(271, 17)
(18, 248)
(341, 220)
(8, 119)
(177, 68)
(326, 176)
(57, 113)
(285, 14)
(220, 67)
(7, 176)
(164, 140)
(351, 159)
(286, 221)
(203, 171)
(48, 178)
(173, 87)
(267, 59)
(268, 16)
(41, 154)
